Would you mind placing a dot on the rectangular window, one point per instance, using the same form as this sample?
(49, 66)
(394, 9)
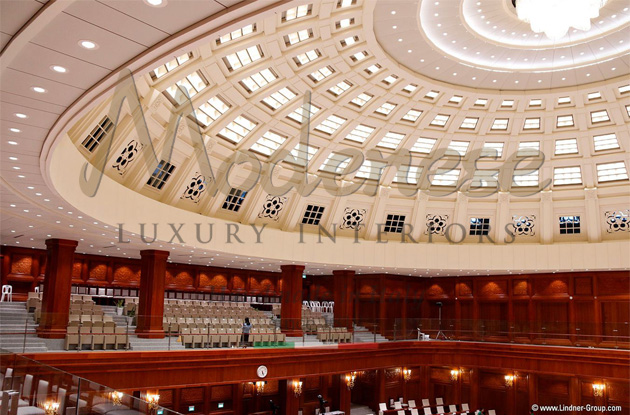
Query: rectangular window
(211, 110)
(390, 80)
(349, 41)
(394, 223)
(362, 99)
(304, 112)
(488, 147)
(340, 88)
(160, 71)
(343, 23)
(410, 88)
(321, 73)
(297, 12)
(372, 69)
(335, 163)
(564, 100)
(97, 134)
(161, 174)
(297, 37)
(423, 145)
(301, 154)
(599, 116)
(594, 95)
(440, 120)
(258, 80)
(469, 123)
(359, 56)
(459, 147)
(346, 3)
(391, 140)
(609, 172)
(386, 108)
(535, 102)
(236, 130)
(431, 94)
(242, 58)
(244, 31)
(525, 178)
(412, 115)
(455, 99)
(531, 124)
(528, 148)
(234, 200)
(507, 103)
(268, 143)
(481, 102)
(445, 177)
(484, 178)
(566, 146)
(371, 170)
(624, 89)
(564, 121)
(331, 124)
(192, 84)
(567, 175)
(500, 124)
(569, 225)
(360, 133)
(279, 98)
(306, 57)
(605, 142)
(479, 226)
(408, 174)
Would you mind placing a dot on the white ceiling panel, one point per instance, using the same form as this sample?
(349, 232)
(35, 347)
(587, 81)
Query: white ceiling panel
(15, 13)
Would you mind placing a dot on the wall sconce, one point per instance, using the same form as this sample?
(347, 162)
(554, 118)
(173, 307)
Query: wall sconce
(509, 380)
(598, 389)
(406, 374)
(116, 398)
(259, 387)
(153, 400)
(454, 374)
(50, 408)
(297, 388)
(350, 380)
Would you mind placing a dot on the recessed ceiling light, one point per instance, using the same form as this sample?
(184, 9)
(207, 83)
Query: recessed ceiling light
(564, 79)
(20, 115)
(393, 11)
(474, 78)
(39, 90)
(601, 48)
(16, 168)
(15, 130)
(409, 51)
(613, 69)
(400, 40)
(13, 158)
(437, 68)
(394, 27)
(59, 69)
(20, 176)
(454, 73)
(588, 74)
(13, 143)
(88, 44)
(494, 80)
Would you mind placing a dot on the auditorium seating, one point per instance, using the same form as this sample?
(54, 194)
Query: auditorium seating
(427, 409)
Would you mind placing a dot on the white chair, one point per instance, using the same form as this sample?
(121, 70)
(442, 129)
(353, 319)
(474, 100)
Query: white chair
(452, 408)
(7, 294)
(427, 411)
(401, 413)
(397, 405)
(382, 407)
(465, 407)
(439, 401)
(412, 403)
(492, 412)
(425, 402)
(414, 411)
(440, 409)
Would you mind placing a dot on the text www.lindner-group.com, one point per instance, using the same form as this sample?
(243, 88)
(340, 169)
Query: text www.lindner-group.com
(581, 408)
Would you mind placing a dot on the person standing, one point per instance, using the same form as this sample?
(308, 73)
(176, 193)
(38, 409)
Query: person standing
(247, 326)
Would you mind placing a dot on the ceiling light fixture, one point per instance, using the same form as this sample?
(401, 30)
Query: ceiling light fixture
(88, 44)
(15, 130)
(554, 17)
(20, 115)
(39, 90)
(59, 69)
(155, 3)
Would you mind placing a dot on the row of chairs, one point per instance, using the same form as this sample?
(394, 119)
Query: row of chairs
(228, 337)
(334, 335)
(172, 326)
(18, 397)
(427, 409)
(95, 338)
(312, 325)
(320, 307)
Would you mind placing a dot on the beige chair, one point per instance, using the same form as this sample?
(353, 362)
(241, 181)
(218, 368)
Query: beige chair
(109, 337)
(72, 338)
(122, 339)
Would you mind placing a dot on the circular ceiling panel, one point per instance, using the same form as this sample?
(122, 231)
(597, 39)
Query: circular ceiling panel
(483, 44)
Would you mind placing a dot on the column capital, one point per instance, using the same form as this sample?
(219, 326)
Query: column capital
(154, 253)
(344, 272)
(292, 268)
(70, 243)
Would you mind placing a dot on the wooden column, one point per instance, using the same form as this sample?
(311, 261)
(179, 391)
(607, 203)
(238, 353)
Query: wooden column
(291, 311)
(289, 403)
(151, 301)
(382, 306)
(474, 389)
(57, 288)
(345, 394)
(532, 380)
(343, 291)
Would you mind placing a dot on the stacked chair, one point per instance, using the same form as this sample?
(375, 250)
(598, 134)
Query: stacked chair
(334, 335)
(312, 321)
